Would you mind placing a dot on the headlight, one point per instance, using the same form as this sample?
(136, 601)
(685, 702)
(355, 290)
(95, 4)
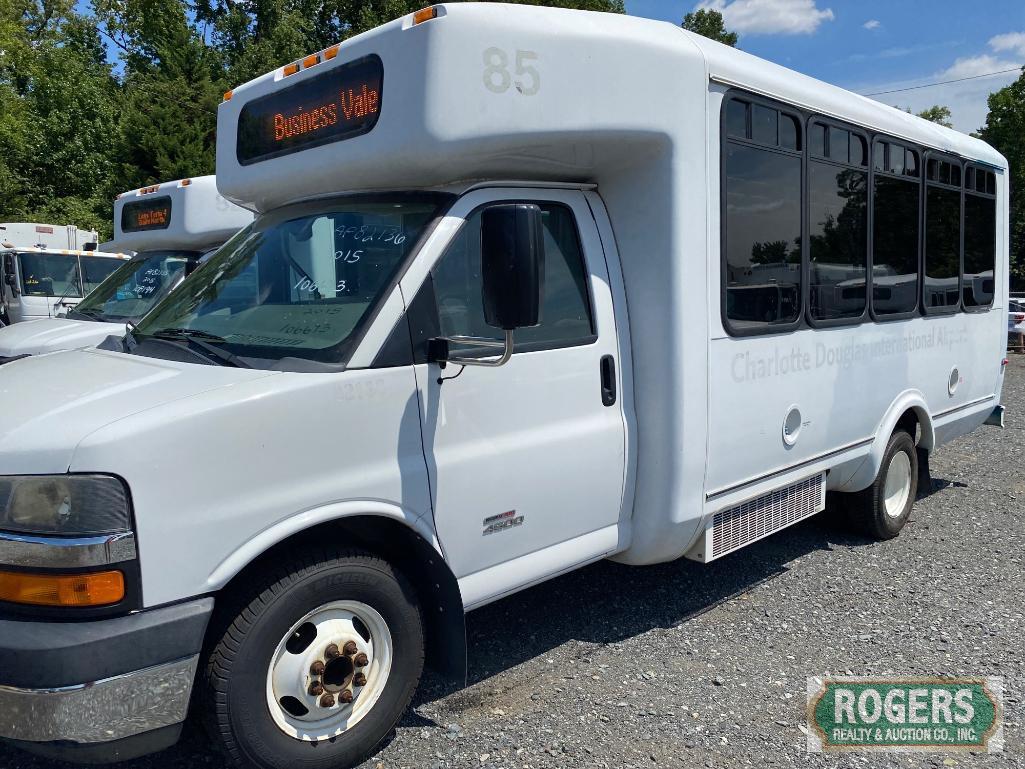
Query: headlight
(82, 505)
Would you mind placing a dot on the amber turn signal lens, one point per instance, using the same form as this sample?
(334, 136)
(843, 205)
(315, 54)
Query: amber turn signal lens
(425, 14)
(99, 589)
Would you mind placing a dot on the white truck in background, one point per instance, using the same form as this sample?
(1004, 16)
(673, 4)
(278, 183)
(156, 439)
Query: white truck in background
(169, 227)
(47, 268)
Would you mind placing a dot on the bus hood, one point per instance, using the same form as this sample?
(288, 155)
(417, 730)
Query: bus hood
(53, 402)
(34, 337)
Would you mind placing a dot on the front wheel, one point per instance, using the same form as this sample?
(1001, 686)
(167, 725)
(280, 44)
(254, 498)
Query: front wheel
(882, 510)
(316, 665)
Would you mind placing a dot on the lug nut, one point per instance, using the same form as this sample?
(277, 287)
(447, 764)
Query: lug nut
(316, 688)
(361, 660)
(359, 680)
(317, 668)
(350, 648)
(345, 697)
(327, 701)
(332, 651)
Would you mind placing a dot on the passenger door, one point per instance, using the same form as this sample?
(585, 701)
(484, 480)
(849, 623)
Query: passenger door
(530, 454)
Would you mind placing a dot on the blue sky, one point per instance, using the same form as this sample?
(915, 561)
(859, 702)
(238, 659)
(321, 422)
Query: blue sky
(877, 45)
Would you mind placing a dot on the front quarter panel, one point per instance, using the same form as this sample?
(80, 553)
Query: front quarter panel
(217, 478)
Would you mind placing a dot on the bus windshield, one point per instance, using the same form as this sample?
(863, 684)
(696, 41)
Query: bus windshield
(298, 282)
(45, 274)
(95, 270)
(130, 291)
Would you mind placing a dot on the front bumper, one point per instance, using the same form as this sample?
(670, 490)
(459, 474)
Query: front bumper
(91, 690)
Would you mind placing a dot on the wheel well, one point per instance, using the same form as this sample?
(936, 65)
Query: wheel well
(437, 590)
(908, 422)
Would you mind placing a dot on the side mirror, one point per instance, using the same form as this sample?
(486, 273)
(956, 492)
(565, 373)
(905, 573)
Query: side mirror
(512, 250)
(512, 253)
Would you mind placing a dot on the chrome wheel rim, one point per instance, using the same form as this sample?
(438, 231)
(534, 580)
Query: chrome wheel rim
(897, 489)
(329, 670)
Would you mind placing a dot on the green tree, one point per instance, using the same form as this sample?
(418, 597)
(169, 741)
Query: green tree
(937, 114)
(60, 112)
(1005, 130)
(710, 24)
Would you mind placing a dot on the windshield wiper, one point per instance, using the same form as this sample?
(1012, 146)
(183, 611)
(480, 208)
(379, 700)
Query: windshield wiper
(91, 313)
(197, 337)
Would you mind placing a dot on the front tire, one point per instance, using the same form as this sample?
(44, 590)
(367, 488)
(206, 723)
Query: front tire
(316, 663)
(883, 509)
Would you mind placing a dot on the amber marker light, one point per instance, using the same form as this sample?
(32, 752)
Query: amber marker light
(186, 182)
(311, 61)
(332, 52)
(425, 14)
(72, 590)
(291, 69)
(227, 95)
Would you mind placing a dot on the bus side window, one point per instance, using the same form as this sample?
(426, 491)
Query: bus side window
(980, 254)
(565, 309)
(895, 231)
(838, 228)
(762, 229)
(942, 237)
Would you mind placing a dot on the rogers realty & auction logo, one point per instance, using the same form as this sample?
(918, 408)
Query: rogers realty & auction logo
(905, 714)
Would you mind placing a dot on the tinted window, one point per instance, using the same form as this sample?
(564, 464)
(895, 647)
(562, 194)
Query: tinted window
(839, 140)
(736, 118)
(895, 246)
(911, 163)
(565, 308)
(838, 232)
(788, 132)
(762, 237)
(879, 155)
(980, 223)
(817, 140)
(763, 125)
(95, 270)
(50, 275)
(942, 247)
(859, 153)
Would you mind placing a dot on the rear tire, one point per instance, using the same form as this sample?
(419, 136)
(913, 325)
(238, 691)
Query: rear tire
(882, 510)
(262, 701)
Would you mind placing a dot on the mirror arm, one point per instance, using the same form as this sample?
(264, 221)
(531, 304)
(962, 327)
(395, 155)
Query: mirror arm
(506, 345)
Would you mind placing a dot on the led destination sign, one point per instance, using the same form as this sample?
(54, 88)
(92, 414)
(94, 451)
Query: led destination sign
(154, 214)
(339, 104)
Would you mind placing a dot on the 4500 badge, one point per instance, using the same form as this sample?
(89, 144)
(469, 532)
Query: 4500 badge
(507, 520)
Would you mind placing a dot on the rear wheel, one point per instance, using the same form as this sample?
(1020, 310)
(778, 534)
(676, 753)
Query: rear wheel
(317, 665)
(882, 510)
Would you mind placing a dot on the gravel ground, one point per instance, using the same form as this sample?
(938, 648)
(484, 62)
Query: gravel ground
(684, 665)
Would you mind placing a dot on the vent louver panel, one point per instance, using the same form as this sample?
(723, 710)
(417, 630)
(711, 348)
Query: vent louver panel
(737, 526)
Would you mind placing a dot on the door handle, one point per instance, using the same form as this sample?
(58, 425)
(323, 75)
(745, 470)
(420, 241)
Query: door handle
(608, 380)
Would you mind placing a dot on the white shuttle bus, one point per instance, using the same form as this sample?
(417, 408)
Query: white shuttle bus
(47, 268)
(170, 227)
(527, 288)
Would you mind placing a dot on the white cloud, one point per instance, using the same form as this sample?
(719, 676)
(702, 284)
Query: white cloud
(967, 99)
(872, 24)
(973, 66)
(769, 17)
(1010, 41)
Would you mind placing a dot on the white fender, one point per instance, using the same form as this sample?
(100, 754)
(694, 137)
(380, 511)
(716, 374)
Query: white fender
(261, 542)
(869, 468)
